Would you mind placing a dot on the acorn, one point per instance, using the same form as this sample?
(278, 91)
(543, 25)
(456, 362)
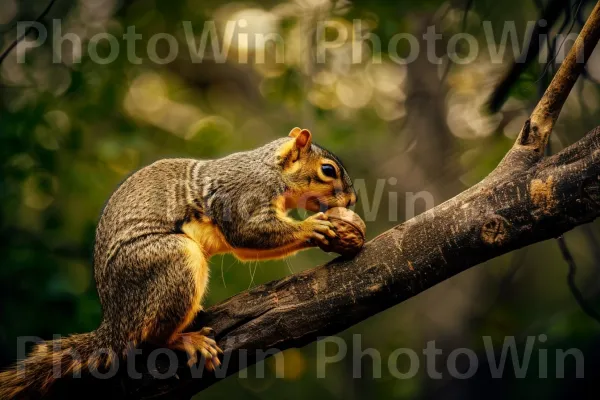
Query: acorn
(350, 229)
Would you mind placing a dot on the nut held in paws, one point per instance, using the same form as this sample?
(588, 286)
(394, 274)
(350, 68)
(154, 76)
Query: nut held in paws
(350, 229)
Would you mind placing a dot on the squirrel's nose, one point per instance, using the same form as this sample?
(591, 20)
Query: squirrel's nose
(351, 200)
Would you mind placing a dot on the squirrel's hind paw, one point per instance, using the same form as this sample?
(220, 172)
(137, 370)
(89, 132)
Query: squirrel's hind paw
(199, 342)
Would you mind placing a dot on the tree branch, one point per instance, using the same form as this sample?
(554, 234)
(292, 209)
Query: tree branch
(27, 32)
(526, 199)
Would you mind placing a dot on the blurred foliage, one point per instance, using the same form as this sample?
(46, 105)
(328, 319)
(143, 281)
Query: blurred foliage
(71, 131)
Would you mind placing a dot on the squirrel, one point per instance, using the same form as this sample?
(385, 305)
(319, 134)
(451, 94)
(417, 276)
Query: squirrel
(159, 229)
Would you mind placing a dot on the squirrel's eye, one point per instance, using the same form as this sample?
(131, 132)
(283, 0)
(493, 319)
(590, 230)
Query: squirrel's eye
(328, 170)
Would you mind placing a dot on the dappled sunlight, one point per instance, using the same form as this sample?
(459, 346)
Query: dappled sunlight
(122, 84)
(147, 99)
(469, 88)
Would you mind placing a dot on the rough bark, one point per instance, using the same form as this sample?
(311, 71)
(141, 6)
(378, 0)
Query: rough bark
(526, 199)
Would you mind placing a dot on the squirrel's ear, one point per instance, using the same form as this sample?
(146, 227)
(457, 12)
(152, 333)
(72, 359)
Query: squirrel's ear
(294, 132)
(303, 139)
(292, 150)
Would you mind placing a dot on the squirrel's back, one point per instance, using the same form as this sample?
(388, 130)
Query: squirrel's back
(150, 201)
(162, 195)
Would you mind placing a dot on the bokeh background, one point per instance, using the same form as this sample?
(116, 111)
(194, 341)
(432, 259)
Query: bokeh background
(71, 131)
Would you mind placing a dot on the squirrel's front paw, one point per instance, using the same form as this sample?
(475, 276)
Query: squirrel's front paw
(317, 229)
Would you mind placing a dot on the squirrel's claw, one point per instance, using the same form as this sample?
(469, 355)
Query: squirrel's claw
(317, 238)
(319, 229)
(199, 342)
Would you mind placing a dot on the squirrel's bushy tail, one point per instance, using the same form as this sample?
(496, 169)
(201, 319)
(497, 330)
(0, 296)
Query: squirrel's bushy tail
(65, 357)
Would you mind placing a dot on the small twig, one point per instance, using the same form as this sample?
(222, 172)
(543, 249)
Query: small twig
(550, 15)
(592, 285)
(27, 32)
(581, 301)
(567, 256)
(555, 51)
(580, 17)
